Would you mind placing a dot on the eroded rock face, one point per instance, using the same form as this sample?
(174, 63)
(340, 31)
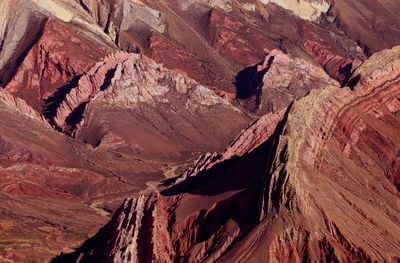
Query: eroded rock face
(306, 9)
(338, 56)
(279, 80)
(316, 181)
(144, 95)
(235, 40)
(53, 64)
(315, 188)
(374, 25)
(176, 58)
(21, 25)
(225, 5)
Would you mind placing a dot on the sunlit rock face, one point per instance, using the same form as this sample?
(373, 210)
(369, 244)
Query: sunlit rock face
(59, 57)
(225, 5)
(305, 9)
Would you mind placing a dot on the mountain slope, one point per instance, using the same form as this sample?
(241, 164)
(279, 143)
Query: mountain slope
(106, 100)
(319, 188)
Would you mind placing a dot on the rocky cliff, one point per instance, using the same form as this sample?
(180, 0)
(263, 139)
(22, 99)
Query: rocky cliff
(321, 185)
(145, 96)
(273, 84)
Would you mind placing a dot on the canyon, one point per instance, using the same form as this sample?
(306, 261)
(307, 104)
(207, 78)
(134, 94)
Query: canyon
(199, 131)
(316, 182)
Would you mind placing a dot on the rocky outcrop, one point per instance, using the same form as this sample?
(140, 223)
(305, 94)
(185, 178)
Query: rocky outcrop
(145, 96)
(225, 5)
(20, 106)
(319, 188)
(272, 85)
(373, 25)
(176, 58)
(336, 54)
(56, 190)
(306, 9)
(317, 181)
(235, 40)
(20, 26)
(53, 64)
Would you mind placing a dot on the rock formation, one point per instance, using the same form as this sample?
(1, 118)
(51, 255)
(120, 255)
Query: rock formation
(320, 187)
(373, 25)
(141, 100)
(272, 85)
(145, 95)
(177, 58)
(310, 10)
(59, 57)
(235, 40)
(326, 50)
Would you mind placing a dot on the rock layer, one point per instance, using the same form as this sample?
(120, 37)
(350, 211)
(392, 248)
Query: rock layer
(57, 58)
(272, 85)
(318, 181)
(314, 189)
(233, 39)
(146, 96)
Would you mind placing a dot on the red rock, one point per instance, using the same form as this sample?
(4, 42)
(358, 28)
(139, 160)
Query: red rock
(91, 83)
(235, 40)
(373, 25)
(179, 59)
(146, 95)
(59, 55)
(318, 181)
(294, 195)
(327, 53)
(225, 94)
(272, 85)
(20, 105)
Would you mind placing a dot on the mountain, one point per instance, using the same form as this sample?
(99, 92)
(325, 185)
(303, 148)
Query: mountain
(199, 131)
(318, 186)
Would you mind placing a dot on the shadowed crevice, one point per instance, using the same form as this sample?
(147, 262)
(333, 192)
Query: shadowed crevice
(51, 104)
(249, 80)
(107, 81)
(353, 82)
(75, 118)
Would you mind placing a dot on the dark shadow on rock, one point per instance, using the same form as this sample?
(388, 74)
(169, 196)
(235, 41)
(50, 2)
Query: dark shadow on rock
(249, 174)
(233, 174)
(345, 73)
(244, 81)
(107, 81)
(51, 104)
(75, 117)
(353, 81)
(249, 80)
